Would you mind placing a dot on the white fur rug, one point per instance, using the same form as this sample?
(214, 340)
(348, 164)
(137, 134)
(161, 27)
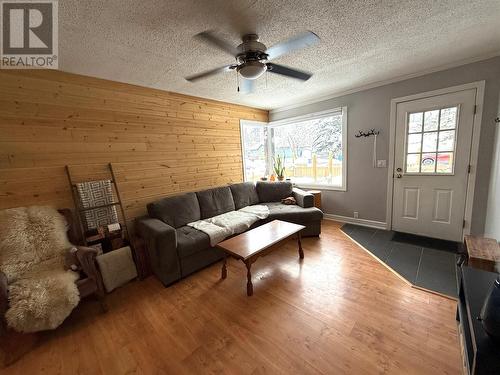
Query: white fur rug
(33, 247)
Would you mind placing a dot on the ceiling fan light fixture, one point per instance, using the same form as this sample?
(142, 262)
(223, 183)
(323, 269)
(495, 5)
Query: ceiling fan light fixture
(253, 58)
(252, 69)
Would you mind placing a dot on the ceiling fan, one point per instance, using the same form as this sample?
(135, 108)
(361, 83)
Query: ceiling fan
(252, 57)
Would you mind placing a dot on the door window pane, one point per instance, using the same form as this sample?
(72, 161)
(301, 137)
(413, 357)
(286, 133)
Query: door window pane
(413, 163)
(431, 119)
(428, 163)
(448, 118)
(447, 140)
(444, 162)
(415, 122)
(414, 143)
(429, 143)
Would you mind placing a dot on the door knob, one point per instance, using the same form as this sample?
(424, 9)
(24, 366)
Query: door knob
(399, 175)
(399, 170)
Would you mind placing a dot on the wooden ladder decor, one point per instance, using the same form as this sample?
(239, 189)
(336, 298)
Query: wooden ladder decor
(81, 210)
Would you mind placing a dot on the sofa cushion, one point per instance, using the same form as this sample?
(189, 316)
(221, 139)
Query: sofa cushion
(273, 191)
(244, 194)
(199, 260)
(191, 241)
(216, 201)
(293, 213)
(176, 211)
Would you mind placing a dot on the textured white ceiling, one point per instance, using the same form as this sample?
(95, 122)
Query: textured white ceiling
(150, 42)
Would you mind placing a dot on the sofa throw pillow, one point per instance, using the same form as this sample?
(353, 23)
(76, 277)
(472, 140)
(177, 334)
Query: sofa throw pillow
(117, 268)
(289, 201)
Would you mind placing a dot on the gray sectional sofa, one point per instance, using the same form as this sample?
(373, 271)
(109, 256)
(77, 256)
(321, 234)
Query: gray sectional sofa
(177, 250)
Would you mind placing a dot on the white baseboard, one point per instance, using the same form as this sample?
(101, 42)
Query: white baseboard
(363, 222)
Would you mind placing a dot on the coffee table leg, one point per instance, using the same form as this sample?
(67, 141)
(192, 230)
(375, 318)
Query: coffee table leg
(249, 279)
(301, 252)
(224, 269)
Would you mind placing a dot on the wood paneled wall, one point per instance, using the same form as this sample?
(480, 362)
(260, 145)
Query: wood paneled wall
(160, 143)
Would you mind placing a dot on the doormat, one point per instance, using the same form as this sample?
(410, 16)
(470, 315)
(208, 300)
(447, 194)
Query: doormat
(424, 262)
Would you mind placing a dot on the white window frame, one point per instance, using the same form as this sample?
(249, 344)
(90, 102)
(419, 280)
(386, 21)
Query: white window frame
(292, 120)
(243, 124)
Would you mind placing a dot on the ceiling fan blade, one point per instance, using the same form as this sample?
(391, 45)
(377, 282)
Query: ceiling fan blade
(302, 40)
(289, 72)
(208, 36)
(246, 86)
(239, 17)
(208, 73)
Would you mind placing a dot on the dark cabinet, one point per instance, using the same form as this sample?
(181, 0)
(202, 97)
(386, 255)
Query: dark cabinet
(480, 354)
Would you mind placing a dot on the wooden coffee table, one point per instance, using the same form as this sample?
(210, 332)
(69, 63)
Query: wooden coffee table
(250, 245)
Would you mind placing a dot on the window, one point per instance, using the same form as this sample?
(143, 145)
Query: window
(313, 148)
(253, 141)
(430, 142)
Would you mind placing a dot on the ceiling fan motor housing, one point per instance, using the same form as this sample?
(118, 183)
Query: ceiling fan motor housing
(251, 49)
(251, 57)
(251, 44)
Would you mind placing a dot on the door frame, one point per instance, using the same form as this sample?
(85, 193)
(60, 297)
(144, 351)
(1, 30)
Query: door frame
(474, 152)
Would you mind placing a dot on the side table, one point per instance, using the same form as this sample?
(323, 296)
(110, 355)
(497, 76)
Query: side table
(317, 197)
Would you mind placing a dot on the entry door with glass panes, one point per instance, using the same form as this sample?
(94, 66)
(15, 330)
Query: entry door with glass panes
(431, 164)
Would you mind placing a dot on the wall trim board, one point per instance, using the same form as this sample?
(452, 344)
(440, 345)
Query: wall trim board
(474, 152)
(350, 220)
(373, 85)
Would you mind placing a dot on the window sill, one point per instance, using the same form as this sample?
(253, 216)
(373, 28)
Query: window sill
(320, 187)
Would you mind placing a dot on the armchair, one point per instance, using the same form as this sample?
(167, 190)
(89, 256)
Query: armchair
(90, 281)
(13, 344)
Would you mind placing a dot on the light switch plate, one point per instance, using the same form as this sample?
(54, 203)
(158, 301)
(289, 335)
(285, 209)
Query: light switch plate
(382, 163)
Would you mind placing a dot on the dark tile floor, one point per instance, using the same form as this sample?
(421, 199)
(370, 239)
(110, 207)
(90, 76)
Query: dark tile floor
(425, 262)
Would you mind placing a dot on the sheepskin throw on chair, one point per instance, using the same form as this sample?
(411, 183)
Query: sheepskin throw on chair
(33, 249)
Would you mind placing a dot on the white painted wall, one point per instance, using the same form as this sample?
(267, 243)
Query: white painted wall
(492, 226)
(367, 186)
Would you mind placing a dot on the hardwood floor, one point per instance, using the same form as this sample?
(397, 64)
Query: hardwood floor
(339, 311)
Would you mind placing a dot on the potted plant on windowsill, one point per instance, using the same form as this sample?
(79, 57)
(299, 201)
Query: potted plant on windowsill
(279, 167)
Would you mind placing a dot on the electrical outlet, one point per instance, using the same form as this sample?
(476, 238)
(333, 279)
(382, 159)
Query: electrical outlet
(382, 163)
(356, 214)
